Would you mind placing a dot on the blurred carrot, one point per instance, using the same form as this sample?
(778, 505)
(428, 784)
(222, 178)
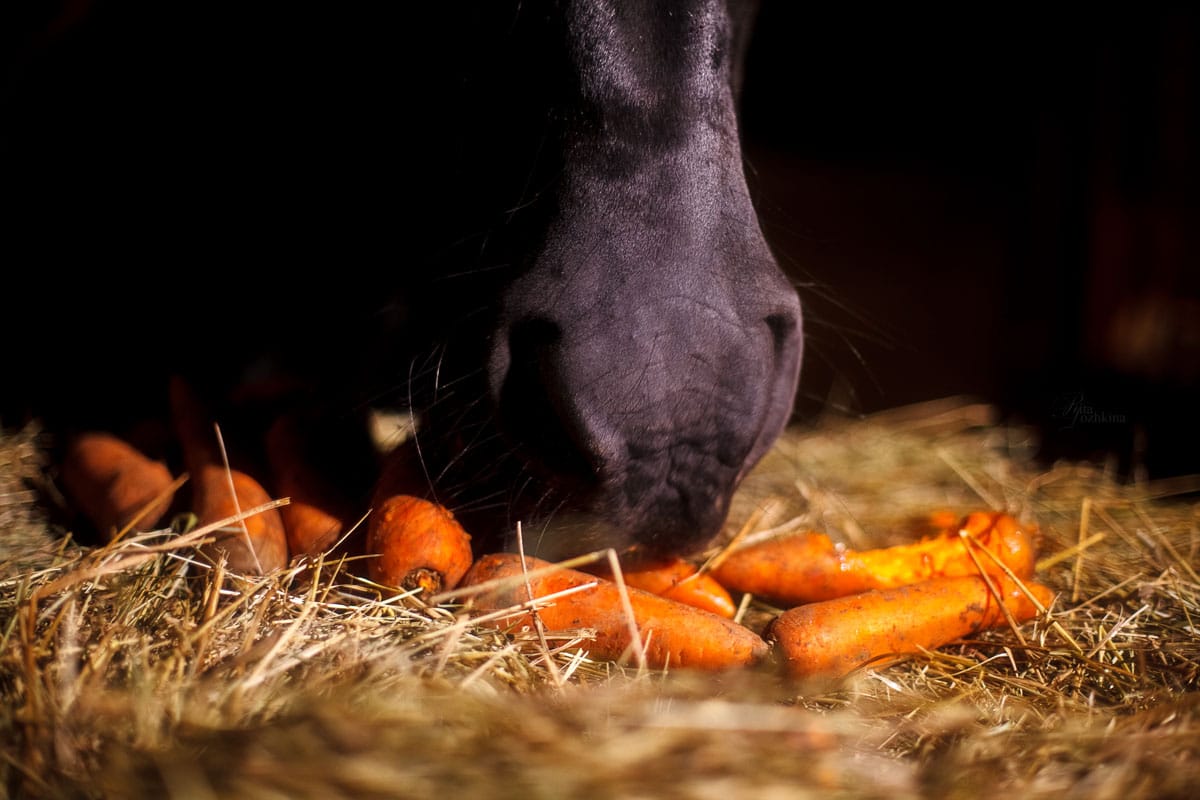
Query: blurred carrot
(313, 519)
(418, 544)
(257, 544)
(115, 484)
(833, 637)
(676, 579)
(678, 635)
(401, 473)
(808, 567)
(942, 519)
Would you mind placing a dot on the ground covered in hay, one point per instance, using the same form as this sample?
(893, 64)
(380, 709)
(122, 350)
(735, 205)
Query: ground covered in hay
(135, 671)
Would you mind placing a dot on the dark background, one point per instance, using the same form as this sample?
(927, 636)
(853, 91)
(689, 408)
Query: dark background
(1003, 206)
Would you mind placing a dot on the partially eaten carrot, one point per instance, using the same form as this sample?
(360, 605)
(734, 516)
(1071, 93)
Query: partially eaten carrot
(830, 639)
(416, 544)
(257, 544)
(114, 484)
(674, 634)
(676, 579)
(809, 567)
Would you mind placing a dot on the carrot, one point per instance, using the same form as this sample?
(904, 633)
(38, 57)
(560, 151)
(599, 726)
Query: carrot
(676, 579)
(419, 545)
(809, 567)
(310, 530)
(676, 634)
(942, 518)
(257, 544)
(310, 521)
(833, 637)
(114, 484)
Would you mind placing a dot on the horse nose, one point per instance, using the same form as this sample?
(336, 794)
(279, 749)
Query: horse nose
(651, 408)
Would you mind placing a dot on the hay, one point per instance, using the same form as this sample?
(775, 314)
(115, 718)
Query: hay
(137, 671)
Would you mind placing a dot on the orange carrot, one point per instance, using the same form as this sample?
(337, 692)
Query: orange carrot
(115, 484)
(934, 523)
(808, 567)
(679, 635)
(313, 518)
(257, 544)
(831, 638)
(310, 530)
(676, 579)
(419, 545)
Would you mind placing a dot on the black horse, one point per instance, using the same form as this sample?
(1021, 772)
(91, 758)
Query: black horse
(527, 221)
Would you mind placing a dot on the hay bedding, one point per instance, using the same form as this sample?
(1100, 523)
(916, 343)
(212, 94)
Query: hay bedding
(134, 671)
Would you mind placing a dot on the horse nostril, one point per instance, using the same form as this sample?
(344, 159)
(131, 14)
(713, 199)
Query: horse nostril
(784, 328)
(534, 402)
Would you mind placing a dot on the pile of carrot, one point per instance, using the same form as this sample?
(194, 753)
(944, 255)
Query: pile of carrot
(839, 609)
(843, 609)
